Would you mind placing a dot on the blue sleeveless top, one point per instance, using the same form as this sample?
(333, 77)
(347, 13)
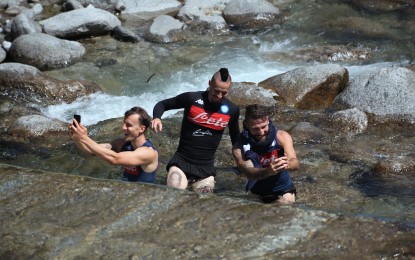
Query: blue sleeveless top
(136, 173)
(276, 184)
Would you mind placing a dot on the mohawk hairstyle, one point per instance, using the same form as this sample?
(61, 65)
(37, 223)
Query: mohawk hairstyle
(224, 74)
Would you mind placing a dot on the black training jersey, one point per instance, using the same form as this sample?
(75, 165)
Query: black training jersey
(202, 126)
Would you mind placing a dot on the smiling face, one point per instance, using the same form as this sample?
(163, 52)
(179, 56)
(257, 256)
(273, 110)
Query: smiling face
(258, 128)
(218, 90)
(132, 127)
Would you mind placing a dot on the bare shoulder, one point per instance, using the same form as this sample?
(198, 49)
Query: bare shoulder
(283, 135)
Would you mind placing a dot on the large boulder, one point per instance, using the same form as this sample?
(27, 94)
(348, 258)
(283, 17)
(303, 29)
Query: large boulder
(80, 23)
(387, 93)
(28, 84)
(204, 15)
(251, 14)
(151, 6)
(36, 126)
(165, 29)
(311, 87)
(247, 93)
(45, 51)
(134, 6)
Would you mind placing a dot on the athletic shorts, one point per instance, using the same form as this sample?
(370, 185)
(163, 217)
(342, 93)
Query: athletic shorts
(193, 172)
(271, 188)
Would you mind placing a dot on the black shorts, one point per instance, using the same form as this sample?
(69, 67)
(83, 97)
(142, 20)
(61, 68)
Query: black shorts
(193, 172)
(273, 197)
(273, 187)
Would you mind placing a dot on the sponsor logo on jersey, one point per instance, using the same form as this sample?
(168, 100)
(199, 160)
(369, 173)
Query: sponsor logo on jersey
(215, 121)
(200, 101)
(131, 170)
(200, 132)
(267, 158)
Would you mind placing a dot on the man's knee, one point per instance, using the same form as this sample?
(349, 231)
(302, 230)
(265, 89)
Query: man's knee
(206, 185)
(176, 178)
(287, 198)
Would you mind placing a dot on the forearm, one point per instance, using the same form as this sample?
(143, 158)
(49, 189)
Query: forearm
(293, 164)
(101, 150)
(84, 148)
(249, 171)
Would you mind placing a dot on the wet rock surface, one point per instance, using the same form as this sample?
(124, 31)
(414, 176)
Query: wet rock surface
(53, 215)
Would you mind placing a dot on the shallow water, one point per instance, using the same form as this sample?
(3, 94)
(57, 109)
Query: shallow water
(143, 73)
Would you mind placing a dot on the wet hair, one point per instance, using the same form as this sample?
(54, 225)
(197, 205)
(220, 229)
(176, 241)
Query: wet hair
(256, 111)
(224, 75)
(144, 118)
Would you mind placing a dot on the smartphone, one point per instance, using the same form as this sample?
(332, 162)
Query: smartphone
(77, 118)
(280, 151)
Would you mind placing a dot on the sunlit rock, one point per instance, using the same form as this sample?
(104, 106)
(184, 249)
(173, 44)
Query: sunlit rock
(151, 6)
(350, 121)
(246, 93)
(85, 22)
(134, 6)
(251, 14)
(45, 51)
(387, 93)
(28, 84)
(304, 132)
(401, 165)
(165, 29)
(35, 126)
(311, 87)
(204, 16)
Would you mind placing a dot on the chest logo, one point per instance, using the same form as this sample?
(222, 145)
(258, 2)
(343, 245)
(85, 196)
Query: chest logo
(215, 121)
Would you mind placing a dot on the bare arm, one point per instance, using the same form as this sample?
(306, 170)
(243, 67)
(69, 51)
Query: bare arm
(247, 167)
(85, 148)
(286, 141)
(140, 156)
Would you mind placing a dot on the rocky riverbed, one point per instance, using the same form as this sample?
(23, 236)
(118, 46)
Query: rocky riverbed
(353, 131)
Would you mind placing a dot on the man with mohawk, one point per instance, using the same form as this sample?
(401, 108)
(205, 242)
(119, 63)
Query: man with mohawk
(206, 115)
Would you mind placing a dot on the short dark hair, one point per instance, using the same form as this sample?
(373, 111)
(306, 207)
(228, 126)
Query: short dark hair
(256, 111)
(144, 118)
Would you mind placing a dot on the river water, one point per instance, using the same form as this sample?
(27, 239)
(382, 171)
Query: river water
(143, 73)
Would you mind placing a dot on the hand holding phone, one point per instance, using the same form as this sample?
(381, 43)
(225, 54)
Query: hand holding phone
(280, 151)
(77, 118)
